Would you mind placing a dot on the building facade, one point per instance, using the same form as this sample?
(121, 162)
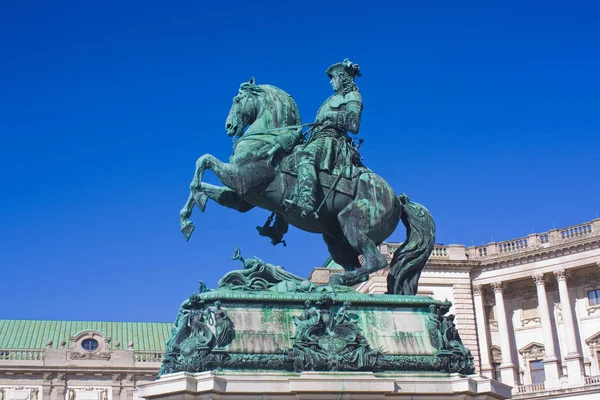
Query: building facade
(78, 360)
(528, 309)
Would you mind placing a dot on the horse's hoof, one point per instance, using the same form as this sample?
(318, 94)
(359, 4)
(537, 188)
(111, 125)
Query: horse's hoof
(187, 229)
(336, 279)
(351, 278)
(200, 198)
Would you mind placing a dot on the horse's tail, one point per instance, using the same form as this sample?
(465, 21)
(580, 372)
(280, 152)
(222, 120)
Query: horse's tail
(410, 258)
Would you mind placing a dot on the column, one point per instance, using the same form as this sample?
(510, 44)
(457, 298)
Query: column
(482, 334)
(507, 369)
(550, 361)
(573, 357)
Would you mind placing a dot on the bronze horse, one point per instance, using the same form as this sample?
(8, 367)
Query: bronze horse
(352, 223)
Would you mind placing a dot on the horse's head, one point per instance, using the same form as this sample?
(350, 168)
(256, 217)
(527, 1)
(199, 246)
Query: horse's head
(244, 110)
(266, 104)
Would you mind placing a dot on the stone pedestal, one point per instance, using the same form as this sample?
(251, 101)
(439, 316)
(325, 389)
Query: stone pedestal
(261, 385)
(319, 331)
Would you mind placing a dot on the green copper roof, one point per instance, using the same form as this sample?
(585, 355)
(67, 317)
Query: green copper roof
(330, 264)
(31, 334)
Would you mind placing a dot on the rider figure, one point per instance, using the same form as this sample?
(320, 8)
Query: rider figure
(329, 144)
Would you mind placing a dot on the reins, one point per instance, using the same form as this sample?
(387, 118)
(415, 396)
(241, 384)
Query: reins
(270, 133)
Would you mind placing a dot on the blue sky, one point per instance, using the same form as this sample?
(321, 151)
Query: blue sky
(484, 112)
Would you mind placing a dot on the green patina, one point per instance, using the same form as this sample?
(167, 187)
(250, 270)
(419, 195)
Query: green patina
(35, 334)
(318, 184)
(274, 320)
(318, 330)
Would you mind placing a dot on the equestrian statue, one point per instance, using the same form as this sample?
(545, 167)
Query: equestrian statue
(318, 184)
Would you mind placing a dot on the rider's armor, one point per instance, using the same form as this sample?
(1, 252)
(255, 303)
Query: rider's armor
(329, 147)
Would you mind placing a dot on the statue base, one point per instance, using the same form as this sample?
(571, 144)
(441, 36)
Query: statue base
(323, 330)
(270, 385)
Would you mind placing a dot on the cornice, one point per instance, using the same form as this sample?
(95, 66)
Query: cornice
(73, 371)
(466, 265)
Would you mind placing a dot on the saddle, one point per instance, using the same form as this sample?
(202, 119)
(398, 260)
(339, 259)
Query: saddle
(346, 184)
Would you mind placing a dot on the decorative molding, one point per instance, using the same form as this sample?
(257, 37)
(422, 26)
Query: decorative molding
(533, 351)
(531, 321)
(538, 279)
(561, 275)
(77, 352)
(592, 309)
(495, 354)
(525, 293)
(102, 393)
(76, 355)
(32, 392)
(498, 287)
(593, 341)
(558, 309)
(589, 280)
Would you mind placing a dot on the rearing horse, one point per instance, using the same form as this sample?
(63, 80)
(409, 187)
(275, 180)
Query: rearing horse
(351, 225)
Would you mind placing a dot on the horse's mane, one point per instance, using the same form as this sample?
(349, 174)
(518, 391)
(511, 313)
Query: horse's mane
(280, 103)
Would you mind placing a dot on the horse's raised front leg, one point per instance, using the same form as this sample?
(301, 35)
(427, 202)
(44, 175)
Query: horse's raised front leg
(227, 174)
(221, 195)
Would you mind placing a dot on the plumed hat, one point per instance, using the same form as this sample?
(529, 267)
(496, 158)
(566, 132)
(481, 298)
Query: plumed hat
(345, 66)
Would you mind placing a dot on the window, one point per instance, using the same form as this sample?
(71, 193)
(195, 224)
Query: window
(89, 344)
(594, 297)
(537, 372)
(496, 372)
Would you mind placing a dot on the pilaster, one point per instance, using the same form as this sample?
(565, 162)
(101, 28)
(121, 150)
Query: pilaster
(59, 386)
(465, 319)
(482, 334)
(46, 385)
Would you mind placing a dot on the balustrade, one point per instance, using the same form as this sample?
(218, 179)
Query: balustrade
(576, 231)
(524, 389)
(592, 380)
(513, 245)
(21, 354)
(535, 241)
(148, 356)
(439, 252)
